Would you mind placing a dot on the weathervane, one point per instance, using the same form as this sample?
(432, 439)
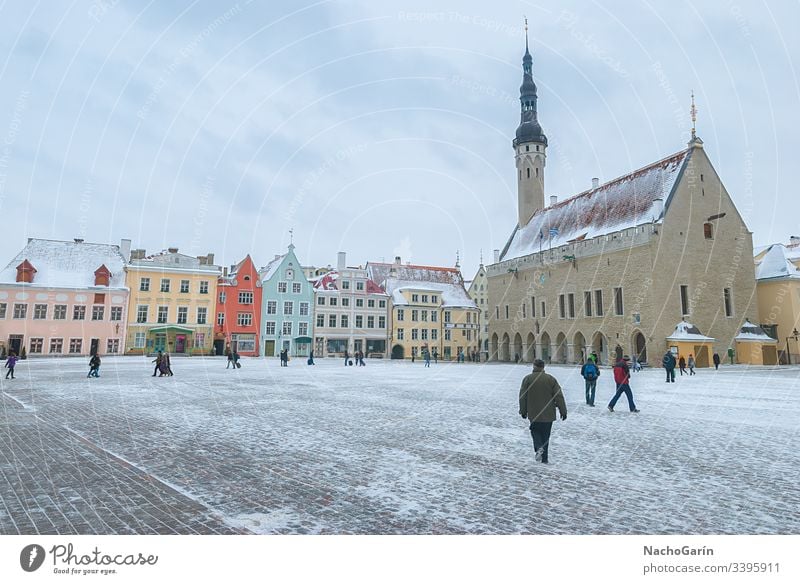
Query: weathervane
(291, 236)
(693, 112)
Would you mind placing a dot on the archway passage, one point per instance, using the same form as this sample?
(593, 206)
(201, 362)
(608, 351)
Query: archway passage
(545, 343)
(640, 347)
(505, 350)
(530, 352)
(561, 348)
(398, 352)
(600, 347)
(579, 347)
(495, 348)
(517, 348)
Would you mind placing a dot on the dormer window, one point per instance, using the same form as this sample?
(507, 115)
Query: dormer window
(25, 272)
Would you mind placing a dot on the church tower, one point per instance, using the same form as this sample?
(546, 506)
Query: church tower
(530, 145)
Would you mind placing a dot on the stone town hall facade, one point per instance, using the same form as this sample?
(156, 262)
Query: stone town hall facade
(614, 269)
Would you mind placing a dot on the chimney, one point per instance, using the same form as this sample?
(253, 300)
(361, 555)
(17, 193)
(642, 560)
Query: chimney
(595, 183)
(138, 254)
(172, 249)
(210, 259)
(125, 249)
(77, 240)
(496, 255)
(341, 261)
(277, 255)
(397, 261)
(25, 272)
(225, 272)
(553, 200)
(794, 240)
(658, 208)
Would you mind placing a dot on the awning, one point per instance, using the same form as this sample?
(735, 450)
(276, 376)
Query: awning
(303, 340)
(170, 327)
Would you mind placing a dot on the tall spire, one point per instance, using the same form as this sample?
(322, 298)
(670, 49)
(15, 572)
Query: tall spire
(529, 129)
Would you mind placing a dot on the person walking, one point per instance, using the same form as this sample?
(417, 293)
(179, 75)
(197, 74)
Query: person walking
(435, 355)
(539, 396)
(310, 358)
(230, 359)
(157, 361)
(426, 354)
(361, 359)
(622, 377)
(668, 361)
(691, 363)
(94, 366)
(236, 364)
(168, 365)
(346, 357)
(11, 362)
(682, 364)
(590, 372)
(594, 357)
(285, 358)
(716, 361)
(636, 366)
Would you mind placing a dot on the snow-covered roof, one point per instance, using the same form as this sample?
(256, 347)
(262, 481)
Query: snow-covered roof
(380, 272)
(753, 332)
(777, 263)
(269, 270)
(453, 295)
(688, 332)
(67, 264)
(330, 282)
(624, 202)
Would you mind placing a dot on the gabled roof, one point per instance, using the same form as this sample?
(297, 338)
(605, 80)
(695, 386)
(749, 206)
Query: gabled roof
(688, 332)
(777, 264)
(453, 295)
(753, 332)
(624, 202)
(269, 270)
(67, 264)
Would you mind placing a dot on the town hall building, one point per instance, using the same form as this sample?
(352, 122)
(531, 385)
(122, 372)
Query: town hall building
(625, 267)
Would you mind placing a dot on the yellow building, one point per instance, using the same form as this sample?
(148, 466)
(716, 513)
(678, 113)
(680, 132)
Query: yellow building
(429, 309)
(778, 289)
(688, 340)
(755, 347)
(172, 303)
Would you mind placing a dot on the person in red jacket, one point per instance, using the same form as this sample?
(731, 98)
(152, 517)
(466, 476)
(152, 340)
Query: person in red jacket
(622, 377)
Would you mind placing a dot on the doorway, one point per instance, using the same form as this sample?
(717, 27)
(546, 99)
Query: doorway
(269, 348)
(180, 343)
(15, 344)
(94, 347)
(160, 342)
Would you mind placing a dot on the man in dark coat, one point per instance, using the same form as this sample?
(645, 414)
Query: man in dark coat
(716, 360)
(682, 364)
(539, 396)
(668, 361)
(622, 377)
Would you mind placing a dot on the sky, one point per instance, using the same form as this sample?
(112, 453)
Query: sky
(375, 128)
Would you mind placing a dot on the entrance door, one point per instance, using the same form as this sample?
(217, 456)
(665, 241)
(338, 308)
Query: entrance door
(15, 344)
(161, 342)
(180, 343)
(269, 348)
(95, 346)
(701, 355)
(358, 345)
(641, 348)
(219, 347)
(398, 352)
(287, 345)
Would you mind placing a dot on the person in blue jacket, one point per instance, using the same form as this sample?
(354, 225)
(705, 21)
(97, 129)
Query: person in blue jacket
(669, 364)
(590, 372)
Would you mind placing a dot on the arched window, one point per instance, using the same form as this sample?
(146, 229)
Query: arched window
(708, 230)
(529, 172)
(537, 171)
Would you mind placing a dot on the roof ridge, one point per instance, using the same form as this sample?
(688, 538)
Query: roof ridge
(616, 180)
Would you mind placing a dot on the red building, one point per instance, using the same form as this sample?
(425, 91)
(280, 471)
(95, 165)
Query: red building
(238, 314)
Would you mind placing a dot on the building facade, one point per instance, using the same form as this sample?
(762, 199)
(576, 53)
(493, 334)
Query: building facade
(64, 298)
(237, 324)
(478, 290)
(287, 308)
(351, 313)
(429, 308)
(172, 303)
(778, 277)
(612, 270)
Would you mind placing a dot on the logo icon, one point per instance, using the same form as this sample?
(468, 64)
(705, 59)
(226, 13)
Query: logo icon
(31, 557)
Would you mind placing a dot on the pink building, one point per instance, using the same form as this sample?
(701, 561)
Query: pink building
(65, 298)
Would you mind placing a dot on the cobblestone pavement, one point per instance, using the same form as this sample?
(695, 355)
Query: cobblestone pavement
(390, 448)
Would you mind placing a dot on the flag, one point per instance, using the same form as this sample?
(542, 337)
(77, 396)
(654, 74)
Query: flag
(553, 231)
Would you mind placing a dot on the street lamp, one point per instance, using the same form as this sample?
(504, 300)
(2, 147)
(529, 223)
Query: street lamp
(795, 335)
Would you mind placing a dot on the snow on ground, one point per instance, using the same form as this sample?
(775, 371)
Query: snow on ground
(391, 448)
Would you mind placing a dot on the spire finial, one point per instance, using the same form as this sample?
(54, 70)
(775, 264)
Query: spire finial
(693, 113)
(526, 33)
(457, 260)
(481, 256)
(291, 236)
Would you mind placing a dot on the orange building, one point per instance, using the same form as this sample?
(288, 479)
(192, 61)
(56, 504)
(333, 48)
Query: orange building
(238, 314)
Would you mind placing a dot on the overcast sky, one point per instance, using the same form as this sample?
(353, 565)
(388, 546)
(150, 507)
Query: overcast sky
(375, 128)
